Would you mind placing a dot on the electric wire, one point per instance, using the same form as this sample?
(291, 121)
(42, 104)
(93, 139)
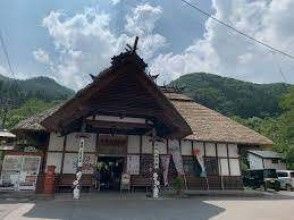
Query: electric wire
(236, 30)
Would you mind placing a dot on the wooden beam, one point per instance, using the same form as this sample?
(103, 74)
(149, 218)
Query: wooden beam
(118, 125)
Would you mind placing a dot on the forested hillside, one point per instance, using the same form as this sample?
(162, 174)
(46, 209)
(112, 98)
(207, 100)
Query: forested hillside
(20, 99)
(233, 97)
(16, 92)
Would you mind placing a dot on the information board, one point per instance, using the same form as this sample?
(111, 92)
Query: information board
(133, 164)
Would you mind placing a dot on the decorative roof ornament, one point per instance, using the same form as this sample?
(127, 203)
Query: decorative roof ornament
(129, 56)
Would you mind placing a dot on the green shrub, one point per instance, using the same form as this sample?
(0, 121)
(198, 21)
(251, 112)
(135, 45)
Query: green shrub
(178, 184)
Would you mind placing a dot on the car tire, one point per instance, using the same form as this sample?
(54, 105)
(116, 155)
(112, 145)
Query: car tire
(289, 188)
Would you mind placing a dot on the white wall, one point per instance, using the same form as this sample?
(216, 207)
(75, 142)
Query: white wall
(279, 166)
(186, 147)
(222, 150)
(55, 142)
(210, 149)
(54, 158)
(133, 144)
(146, 145)
(72, 144)
(255, 162)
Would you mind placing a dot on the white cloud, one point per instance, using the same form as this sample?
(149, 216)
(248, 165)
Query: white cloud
(4, 71)
(114, 2)
(227, 53)
(85, 42)
(143, 19)
(41, 56)
(141, 22)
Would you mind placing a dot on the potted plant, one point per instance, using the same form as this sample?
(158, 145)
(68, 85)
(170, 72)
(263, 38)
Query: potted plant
(178, 185)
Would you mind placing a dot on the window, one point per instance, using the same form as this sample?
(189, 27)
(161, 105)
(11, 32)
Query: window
(224, 167)
(235, 167)
(211, 165)
(275, 160)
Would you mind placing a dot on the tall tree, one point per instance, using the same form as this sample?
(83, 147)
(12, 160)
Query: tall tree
(288, 105)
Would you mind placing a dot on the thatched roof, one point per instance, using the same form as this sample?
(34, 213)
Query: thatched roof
(122, 89)
(33, 123)
(207, 125)
(267, 154)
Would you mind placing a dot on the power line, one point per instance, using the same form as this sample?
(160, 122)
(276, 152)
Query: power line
(8, 103)
(237, 31)
(279, 67)
(6, 54)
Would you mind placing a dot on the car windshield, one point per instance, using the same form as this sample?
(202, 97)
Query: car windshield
(282, 174)
(271, 173)
(292, 174)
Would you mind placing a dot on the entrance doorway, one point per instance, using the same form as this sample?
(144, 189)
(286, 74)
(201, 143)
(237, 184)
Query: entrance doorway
(111, 169)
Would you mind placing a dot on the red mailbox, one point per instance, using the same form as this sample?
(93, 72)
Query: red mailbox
(49, 181)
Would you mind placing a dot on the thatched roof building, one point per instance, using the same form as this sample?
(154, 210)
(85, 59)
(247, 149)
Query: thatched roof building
(211, 126)
(206, 124)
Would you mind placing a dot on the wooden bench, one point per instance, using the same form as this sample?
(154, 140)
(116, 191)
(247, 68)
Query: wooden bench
(140, 181)
(66, 181)
(198, 183)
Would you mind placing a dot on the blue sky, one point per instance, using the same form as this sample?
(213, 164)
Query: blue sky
(67, 40)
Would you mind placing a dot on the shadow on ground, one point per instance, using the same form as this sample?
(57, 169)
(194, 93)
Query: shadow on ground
(123, 209)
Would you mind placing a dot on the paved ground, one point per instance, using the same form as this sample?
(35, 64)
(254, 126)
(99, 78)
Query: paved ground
(137, 206)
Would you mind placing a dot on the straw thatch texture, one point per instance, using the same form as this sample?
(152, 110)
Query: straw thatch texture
(209, 125)
(33, 123)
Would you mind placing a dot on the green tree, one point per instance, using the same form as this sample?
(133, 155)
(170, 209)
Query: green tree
(288, 105)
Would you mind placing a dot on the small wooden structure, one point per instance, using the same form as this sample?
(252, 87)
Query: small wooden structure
(7, 140)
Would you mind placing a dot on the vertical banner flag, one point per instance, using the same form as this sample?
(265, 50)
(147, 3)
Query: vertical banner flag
(165, 159)
(198, 154)
(174, 147)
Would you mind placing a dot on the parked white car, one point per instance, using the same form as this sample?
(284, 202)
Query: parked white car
(286, 178)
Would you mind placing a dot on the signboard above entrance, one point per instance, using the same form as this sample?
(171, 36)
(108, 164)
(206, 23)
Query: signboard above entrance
(112, 144)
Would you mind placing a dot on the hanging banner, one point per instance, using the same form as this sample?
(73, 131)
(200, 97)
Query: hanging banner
(174, 148)
(165, 159)
(133, 164)
(199, 156)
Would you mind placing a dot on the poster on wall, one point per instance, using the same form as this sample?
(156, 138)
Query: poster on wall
(20, 172)
(133, 164)
(70, 163)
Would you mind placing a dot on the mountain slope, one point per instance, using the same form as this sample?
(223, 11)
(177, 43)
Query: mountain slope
(233, 97)
(17, 92)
